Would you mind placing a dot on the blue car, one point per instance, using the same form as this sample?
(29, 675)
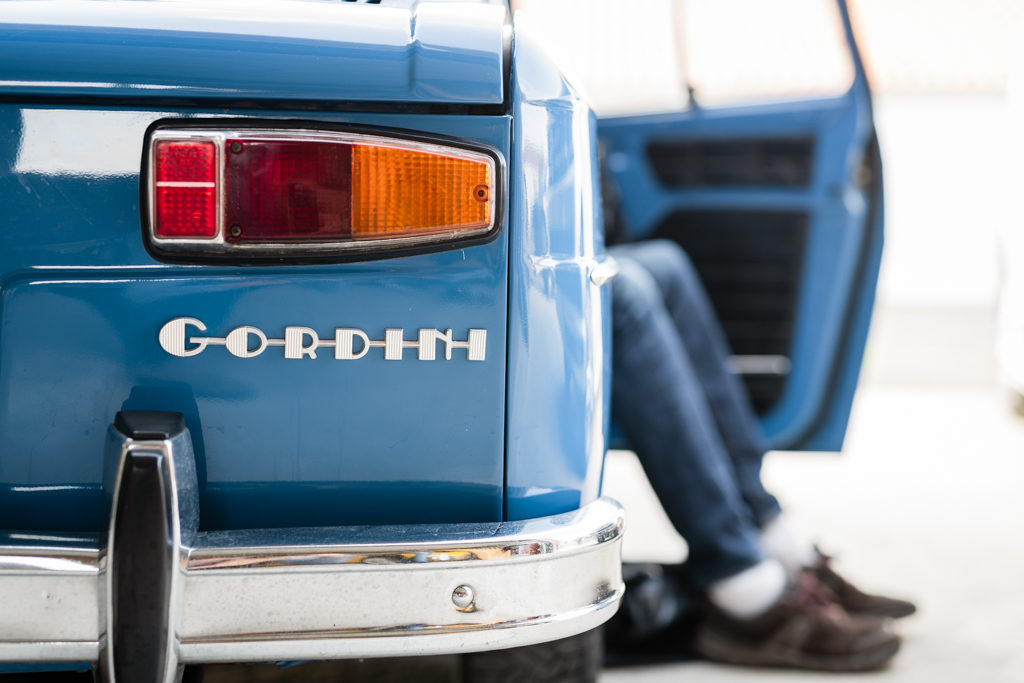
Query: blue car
(304, 328)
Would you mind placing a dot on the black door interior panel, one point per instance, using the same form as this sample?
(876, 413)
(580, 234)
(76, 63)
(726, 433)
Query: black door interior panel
(750, 262)
(770, 162)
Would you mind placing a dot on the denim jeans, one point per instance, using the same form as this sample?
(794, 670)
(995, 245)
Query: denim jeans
(688, 418)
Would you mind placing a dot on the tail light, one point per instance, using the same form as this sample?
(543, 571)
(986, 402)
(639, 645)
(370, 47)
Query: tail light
(278, 194)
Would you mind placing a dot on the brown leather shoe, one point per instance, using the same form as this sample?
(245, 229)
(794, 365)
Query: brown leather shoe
(803, 630)
(856, 601)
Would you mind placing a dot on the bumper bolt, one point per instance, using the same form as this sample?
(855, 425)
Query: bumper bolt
(463, 598)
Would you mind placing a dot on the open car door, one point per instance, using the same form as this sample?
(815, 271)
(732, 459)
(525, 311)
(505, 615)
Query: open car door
(779, 205)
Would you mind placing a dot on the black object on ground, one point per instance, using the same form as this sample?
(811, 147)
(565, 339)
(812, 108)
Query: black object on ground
(655, 623)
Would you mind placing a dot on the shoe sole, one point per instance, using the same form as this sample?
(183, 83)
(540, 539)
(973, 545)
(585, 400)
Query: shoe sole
(725, 650)
(882, 613)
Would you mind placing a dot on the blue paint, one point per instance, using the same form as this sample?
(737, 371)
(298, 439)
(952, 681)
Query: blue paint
(829, 431)
(302, 50)
(558, 320)
(831, 427)
(279, 442)
(80, 667)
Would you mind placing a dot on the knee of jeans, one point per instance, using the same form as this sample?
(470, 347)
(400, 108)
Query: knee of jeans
(669, 250)
(670, 262)
(635, 294)
(679, 258)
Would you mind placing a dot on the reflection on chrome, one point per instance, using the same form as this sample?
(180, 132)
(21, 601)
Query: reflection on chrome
(243, 601)
(82, 143)
(18, 563)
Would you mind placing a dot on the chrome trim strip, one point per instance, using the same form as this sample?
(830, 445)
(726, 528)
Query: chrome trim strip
(29, 560)
(458, 543)
(405, 641)
(760, 365)
(50, 651)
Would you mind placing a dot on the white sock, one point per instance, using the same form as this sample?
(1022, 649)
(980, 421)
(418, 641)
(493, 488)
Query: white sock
(751, 592)
(778, 541)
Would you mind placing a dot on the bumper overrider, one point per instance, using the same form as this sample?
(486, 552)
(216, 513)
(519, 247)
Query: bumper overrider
(160, 593)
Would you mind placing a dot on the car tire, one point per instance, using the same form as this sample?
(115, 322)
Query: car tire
(570, 660)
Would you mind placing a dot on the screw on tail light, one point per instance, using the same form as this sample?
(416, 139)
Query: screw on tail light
(261, 194)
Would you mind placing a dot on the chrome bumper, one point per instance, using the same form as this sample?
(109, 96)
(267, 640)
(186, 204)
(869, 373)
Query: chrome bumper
(159, 588)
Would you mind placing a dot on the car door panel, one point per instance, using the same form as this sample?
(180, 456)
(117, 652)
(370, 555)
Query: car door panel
(779, 207)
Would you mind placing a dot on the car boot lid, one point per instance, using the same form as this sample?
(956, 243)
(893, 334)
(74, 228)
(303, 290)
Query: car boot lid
(286, 50)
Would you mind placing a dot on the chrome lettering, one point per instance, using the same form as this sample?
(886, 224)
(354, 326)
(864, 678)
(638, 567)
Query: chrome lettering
(343, 343)
(300, 342)
(237, 342)
(293, 346)
(172, 337)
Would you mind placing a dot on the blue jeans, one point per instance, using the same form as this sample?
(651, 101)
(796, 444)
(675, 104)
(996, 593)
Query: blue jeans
(688, 418)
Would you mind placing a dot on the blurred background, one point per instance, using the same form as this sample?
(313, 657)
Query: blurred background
(926, 499)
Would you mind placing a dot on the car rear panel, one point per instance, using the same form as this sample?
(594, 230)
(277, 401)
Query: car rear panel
(279, 441)
(393, 463)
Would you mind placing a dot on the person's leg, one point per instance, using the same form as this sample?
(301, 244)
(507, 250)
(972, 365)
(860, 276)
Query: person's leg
(656, 398)
(687, 303)
(684, 298)
(750, 617)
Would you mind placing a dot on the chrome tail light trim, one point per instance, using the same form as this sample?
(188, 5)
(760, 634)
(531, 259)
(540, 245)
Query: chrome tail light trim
(220, 250)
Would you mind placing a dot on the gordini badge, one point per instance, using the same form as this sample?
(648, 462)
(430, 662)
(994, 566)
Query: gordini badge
(348, 343)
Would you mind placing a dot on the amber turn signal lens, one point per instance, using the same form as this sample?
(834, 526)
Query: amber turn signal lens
(401, 192)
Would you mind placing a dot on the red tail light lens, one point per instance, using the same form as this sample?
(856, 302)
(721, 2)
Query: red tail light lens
(185, 189)
(287, 190)
(296, 193)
